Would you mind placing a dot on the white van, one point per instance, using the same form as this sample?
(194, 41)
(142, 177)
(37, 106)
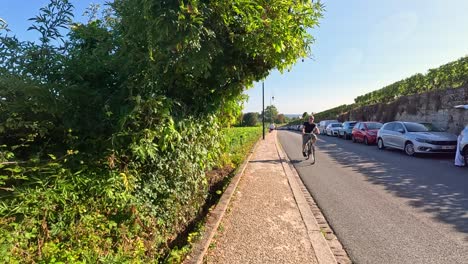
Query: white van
(323, 125)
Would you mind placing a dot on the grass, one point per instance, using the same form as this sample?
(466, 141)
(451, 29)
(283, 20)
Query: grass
(239, 143)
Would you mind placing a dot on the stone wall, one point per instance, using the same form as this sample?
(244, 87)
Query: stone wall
(436, 107)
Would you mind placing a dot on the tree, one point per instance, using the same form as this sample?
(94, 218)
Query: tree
(270, 113)
(280, 119)
(3, 24)
(304, 115)
(203, 53)
(250, 119)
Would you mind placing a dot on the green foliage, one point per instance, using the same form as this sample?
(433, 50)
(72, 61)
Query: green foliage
(250, 119)
(211, 51)
(107, 133)
(3, 24)
(280, 119)
(448, 76)
(240, 141)
(271, 112)
(332, 114)
(53, 17)
(232, 110)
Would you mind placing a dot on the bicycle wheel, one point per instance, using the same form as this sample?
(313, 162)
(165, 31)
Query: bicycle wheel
(309, 149)
(313, 152)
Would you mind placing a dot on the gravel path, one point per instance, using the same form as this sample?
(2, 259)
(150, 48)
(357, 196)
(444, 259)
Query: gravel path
(263, 223)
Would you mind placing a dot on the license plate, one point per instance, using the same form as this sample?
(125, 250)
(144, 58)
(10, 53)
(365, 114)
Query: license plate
(448, 147)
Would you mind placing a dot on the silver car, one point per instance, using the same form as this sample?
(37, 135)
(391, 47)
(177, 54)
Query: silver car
(323, 125)
(416, 138)
(333, 128)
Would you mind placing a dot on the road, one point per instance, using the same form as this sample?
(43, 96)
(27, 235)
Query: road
(384, 206)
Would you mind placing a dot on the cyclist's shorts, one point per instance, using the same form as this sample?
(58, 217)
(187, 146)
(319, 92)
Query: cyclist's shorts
(306, 137)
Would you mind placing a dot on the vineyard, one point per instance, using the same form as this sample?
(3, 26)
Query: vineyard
(449, 76)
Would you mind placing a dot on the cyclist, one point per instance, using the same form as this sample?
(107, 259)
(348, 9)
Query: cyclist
(309, 127)
(272, 127)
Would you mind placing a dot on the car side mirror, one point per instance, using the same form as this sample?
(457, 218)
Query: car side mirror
(363, 129)
(401, 130)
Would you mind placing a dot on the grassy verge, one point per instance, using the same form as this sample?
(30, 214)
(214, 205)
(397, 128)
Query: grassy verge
(239, 142)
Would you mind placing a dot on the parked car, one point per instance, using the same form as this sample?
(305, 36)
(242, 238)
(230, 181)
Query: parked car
(365, 132)
(416, 138)
(322, 125)
(332, 129)
(347, 129)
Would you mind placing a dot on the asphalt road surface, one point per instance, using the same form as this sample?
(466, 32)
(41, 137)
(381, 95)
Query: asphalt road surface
(384, 206)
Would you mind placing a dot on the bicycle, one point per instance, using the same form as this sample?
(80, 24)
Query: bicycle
(310, 147)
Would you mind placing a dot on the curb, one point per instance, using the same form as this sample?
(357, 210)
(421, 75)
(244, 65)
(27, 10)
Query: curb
(320, 246)
(215, 216)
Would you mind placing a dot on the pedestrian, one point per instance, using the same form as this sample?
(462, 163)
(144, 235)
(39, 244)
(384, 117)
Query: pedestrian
(459, 160)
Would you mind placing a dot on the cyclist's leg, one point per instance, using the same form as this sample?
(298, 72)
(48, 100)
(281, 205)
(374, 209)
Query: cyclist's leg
(309, 146)
(313, 138)
(304, 141)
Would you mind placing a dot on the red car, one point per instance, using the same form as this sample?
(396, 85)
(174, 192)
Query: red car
(366, 132)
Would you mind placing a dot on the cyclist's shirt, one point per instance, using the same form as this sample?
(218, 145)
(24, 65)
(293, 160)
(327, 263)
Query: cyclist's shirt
(309, 127)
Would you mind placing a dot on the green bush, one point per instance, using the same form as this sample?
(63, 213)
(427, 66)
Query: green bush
(250, 119)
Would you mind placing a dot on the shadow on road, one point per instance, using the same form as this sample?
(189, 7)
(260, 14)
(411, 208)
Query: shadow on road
(429, 182)
(303, 163)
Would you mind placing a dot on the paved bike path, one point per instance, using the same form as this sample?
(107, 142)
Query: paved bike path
(263, 223)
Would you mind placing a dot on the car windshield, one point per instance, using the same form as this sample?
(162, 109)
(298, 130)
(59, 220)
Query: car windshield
(371, 126)
(351, 125)
(415, 127)
(433, 128)
(336, 125)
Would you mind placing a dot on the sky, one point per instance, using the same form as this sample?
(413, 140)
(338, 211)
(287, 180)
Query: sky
(17, 12)
(364, 45)
(361, 46)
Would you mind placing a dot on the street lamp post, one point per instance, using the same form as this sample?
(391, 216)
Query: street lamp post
(271, 110)
(263, 109)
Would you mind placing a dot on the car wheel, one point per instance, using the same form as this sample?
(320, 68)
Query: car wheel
(353, 139)
(380, 144)
(366, 141)
(409, 149)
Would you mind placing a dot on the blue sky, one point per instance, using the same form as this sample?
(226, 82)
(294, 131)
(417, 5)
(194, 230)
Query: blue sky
(17, 13)
(361, 45)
